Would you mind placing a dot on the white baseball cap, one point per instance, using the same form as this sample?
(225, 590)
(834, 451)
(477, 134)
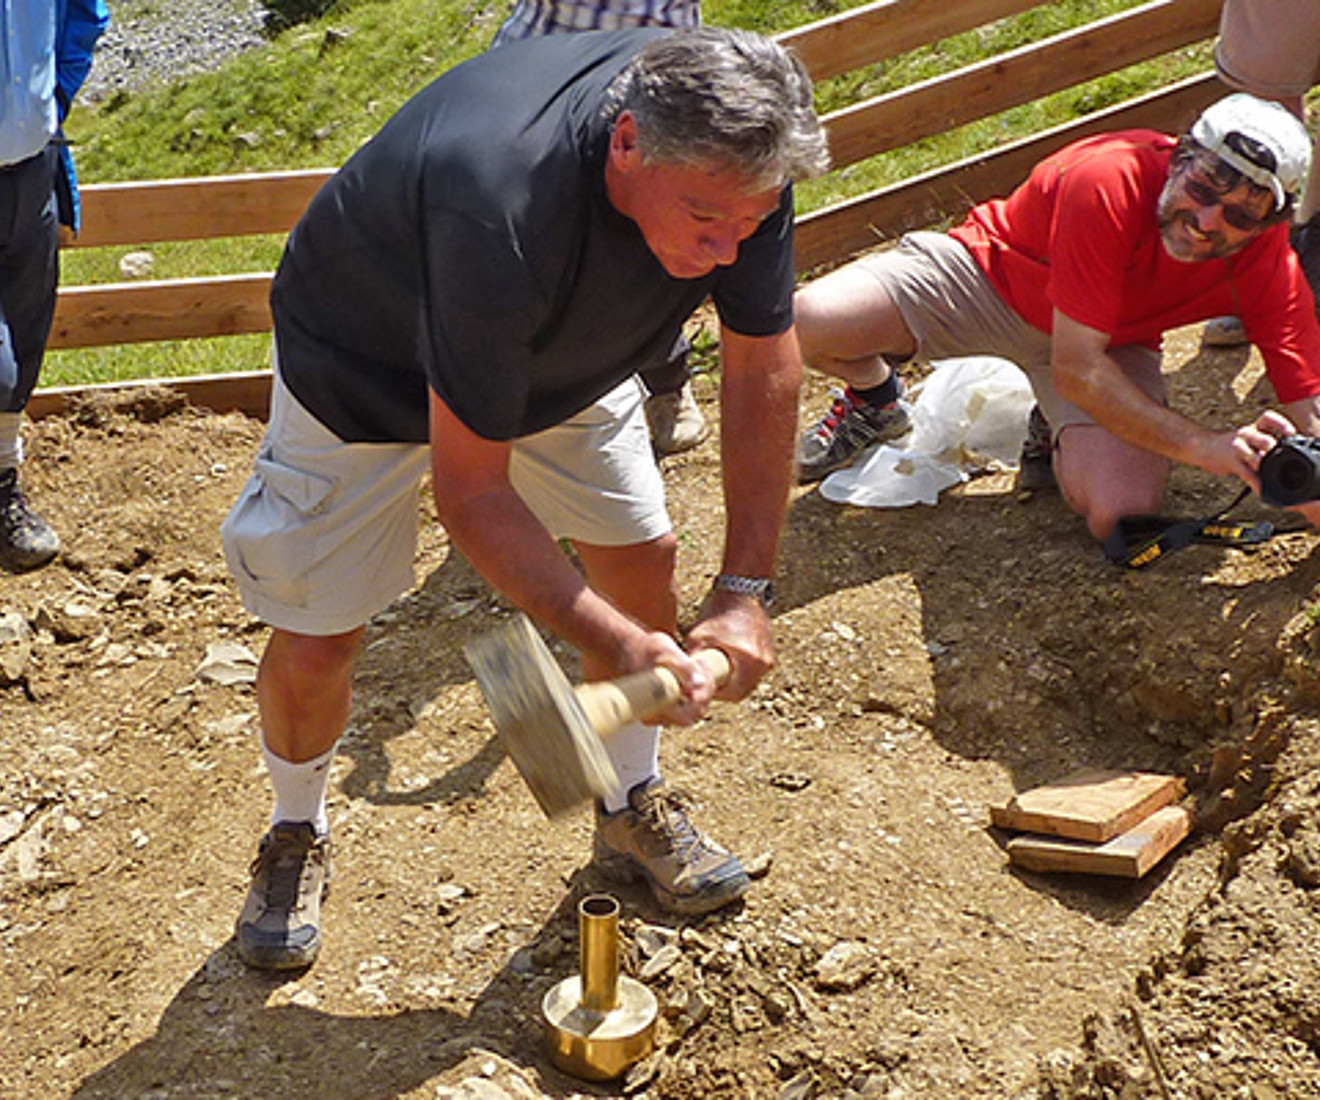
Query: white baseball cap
(1263, 140)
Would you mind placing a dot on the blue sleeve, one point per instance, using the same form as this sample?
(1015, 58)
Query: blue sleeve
(81, 23)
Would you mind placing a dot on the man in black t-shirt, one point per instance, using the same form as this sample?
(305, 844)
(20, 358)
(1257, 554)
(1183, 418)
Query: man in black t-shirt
(473, 295)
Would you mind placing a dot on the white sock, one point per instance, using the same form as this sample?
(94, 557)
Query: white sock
(635, 753)
(11, 443)
(299, 788)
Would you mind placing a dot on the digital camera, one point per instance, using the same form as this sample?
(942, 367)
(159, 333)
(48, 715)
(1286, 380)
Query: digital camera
(1290, 472)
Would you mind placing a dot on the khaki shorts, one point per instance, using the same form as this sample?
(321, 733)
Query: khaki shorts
(1269, 47)
(323, 535)
(953, 310)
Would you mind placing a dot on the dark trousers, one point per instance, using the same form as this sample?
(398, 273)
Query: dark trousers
(671, 375)
(29, 272)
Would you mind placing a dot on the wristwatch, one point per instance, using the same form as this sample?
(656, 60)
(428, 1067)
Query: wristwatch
(759, 588)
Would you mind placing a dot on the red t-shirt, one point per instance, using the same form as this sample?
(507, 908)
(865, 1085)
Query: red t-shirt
(1080, 235)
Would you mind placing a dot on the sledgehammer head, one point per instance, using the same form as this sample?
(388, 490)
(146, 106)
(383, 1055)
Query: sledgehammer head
(539, 718)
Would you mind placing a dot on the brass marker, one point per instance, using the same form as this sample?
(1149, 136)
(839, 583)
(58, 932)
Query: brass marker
(599, 1022)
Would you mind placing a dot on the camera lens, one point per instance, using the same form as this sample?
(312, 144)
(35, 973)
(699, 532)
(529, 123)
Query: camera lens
(1290, 473)
(1293, 475)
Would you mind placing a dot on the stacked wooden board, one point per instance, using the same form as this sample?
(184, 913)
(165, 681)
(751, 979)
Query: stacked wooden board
(1097, 822)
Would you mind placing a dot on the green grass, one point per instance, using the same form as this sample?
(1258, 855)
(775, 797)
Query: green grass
(166, 359)
(320, 90)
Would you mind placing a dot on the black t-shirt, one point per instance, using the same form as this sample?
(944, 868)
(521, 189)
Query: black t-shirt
(470, 245)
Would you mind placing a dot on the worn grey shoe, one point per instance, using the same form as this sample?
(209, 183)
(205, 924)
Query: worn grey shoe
(26, 540)
(1223, 332)
(280, 926)
(849, 428)
(654, 840)
(675, 421)
(1036, 463)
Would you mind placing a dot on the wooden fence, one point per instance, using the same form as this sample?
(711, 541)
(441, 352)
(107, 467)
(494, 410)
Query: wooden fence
(138, 214)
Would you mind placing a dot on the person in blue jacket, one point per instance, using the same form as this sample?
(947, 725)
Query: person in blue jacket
(45, 55)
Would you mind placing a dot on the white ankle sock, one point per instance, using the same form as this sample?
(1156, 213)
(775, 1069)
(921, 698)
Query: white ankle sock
(299, 788)
(11, 442)
(635, 753)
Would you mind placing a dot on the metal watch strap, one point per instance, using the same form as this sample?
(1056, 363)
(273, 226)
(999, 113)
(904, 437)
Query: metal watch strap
(759, 588)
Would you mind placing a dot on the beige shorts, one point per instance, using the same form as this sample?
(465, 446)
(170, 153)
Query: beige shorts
(953, 310)
(1269, 47)
(323, 535)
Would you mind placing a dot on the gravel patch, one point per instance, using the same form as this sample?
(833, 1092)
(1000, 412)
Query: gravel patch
(155, 41)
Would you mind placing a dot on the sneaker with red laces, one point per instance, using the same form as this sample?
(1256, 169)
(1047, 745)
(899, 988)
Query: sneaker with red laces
(849, 428)
(280, 925)
(653, 839)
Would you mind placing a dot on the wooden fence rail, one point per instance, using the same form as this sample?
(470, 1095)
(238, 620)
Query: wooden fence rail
(137, 214)
(179, 210)
(1017, 77)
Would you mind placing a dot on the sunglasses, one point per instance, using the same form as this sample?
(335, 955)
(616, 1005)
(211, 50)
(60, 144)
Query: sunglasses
(1206, 190)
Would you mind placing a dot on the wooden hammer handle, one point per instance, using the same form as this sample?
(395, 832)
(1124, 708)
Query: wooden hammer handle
(612, 704)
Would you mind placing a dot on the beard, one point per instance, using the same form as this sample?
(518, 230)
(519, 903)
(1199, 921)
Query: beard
(1181, 233)
(1184, 240)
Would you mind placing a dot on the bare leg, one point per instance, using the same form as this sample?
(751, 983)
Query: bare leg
(849, 327)
(1104, 479)
(642, 830)
(638, 579)
(304, 690)
(1310, 203)
(846, 322)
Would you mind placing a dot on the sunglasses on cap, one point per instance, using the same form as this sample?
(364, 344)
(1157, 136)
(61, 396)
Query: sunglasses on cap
(1207, 179)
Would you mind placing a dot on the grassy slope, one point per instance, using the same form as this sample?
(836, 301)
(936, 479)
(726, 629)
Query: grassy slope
(316, 93)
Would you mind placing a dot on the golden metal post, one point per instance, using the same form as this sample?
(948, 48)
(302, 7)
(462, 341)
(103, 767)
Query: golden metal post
(599, 1022)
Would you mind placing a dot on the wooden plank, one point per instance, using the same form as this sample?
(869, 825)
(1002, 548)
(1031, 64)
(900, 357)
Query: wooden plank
(1020, 76)
(840, 231)
(1128, 855)
(243, 391)
(148, 211)
(1094, 804)
(180, 309)
(877, 32)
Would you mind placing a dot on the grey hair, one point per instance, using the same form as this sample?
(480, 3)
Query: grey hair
(724, 100)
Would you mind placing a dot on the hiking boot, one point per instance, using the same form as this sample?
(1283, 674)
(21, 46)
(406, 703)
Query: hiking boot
(26, 540)
(1223, 332)
(653, 839)
(675, 421)
(280, 926)
(850, 427)
(1036, 463)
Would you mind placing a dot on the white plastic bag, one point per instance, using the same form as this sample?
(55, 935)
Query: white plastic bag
(966, 413)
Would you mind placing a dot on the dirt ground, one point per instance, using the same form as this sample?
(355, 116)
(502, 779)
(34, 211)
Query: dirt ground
(932, 661)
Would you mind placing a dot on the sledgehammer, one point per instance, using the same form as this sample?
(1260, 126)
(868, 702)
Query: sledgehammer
(552, 730)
